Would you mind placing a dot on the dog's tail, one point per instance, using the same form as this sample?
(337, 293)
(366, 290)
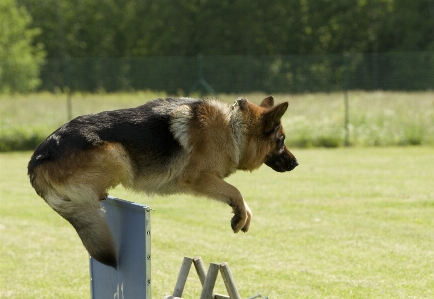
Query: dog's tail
(81, 208)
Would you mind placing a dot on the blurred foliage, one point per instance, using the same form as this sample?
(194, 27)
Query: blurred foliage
(20, 61)
(125, 28)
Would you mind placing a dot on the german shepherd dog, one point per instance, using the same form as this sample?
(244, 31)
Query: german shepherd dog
(166, 146)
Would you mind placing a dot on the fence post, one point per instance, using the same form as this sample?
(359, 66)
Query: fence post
(200, 80)
(68, 87)
(346, 117)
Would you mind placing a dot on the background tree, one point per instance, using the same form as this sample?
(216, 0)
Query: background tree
(19, 59)
(125, 28)
(87, 28)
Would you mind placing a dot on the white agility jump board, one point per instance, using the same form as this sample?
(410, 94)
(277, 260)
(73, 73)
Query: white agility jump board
(131, 228)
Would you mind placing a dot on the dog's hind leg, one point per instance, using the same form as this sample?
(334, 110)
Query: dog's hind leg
(74, 186)
(214, 187)
(82, 209)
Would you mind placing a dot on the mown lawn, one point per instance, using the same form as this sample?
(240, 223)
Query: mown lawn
(346, 223)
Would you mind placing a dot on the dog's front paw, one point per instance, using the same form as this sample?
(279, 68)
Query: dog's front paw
(238, 222)
(241, 219)
(248, 220)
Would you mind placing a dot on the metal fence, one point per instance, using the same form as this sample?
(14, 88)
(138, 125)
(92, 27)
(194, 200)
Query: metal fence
(235, 74)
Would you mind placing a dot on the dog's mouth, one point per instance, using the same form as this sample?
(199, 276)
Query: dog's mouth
(281, 163)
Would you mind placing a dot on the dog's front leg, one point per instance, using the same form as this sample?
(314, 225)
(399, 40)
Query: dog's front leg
(214, 187)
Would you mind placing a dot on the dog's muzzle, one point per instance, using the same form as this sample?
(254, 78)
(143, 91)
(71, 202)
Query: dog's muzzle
(282, 162)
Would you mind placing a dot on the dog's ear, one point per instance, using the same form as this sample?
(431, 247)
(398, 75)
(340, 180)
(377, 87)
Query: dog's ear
(242, 103)
(268, 102)
(272, 117)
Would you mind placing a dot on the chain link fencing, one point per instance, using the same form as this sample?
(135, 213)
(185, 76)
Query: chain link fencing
(244, 74)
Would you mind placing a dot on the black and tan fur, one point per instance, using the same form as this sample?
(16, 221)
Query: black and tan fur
(166, 146)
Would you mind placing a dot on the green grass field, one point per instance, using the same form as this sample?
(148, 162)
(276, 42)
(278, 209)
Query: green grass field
(312, 120)
(346, 223)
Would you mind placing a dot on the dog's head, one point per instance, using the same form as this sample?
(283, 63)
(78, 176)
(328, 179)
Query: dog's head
(268, 134)
(279, 157)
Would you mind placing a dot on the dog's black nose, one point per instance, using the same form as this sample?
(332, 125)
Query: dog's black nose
(293, 164)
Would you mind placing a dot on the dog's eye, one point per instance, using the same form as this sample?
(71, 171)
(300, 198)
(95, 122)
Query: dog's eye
(281, 141)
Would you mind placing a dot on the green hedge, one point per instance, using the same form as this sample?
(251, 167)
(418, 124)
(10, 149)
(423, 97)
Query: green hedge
(21, 139)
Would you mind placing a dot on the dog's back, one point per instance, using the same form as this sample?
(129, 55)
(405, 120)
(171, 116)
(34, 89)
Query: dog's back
(145, 129)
